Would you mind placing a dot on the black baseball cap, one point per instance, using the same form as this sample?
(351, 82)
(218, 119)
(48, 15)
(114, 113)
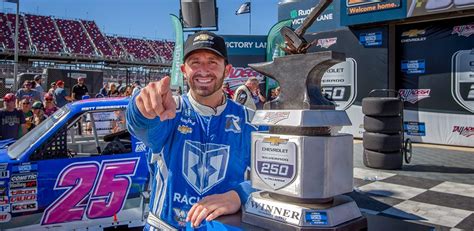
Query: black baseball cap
(205, 40)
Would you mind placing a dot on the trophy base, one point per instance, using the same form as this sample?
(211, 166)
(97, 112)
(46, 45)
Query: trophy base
(263, 211)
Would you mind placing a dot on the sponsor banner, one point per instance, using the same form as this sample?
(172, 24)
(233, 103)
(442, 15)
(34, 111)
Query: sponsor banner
(24, 207)
(462, 79)
(427, 7)
(4, 208)
(298, 10)
(368, 6)
(15, 192)
(326, 42)
(23, 177)
(355, 12)
(239, 75)
(464, 30)
(414, 95)
(23, 198)
(178, 53)
(5, 217)
(413, 66)
(245, 45)
(350, 81)
(447, 72)
(339, 83)
(371, 39)
(241, 51)
(26, 184)
(413, 128)
(25, 167)
(413, 35)
(466, 131)
(438, 128)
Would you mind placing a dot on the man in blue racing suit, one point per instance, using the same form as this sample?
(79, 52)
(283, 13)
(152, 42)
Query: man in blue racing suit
(200, 142)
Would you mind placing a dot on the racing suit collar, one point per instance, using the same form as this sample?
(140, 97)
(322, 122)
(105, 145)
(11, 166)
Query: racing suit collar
(206, 110)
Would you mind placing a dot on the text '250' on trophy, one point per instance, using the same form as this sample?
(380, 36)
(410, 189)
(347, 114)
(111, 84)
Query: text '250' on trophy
(303, 164)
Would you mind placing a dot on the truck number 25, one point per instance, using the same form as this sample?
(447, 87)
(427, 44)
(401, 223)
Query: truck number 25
(98, 190)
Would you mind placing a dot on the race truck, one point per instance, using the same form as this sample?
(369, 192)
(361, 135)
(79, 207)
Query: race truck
(79, 169)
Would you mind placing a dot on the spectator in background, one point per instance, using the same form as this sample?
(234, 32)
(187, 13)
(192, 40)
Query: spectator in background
(39, 87)
(120, 87)
(105, 88)
(229, 93)
(27, 92)
(49, 106)
(52, 88)
(136, 87)
(79, 90)
(27, 113)
(60, 95)
(38, 114)
(274, 93)
(113, 91)
(128, 91)
(12, 121)
(179, 91)
(249, 94)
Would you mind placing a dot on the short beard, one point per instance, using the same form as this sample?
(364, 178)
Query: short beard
(205, 92)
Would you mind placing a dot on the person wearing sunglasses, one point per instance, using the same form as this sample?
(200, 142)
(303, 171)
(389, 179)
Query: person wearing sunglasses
(27, 92)
(49, 106)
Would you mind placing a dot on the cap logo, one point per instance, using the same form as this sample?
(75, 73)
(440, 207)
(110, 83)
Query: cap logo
(203, 37)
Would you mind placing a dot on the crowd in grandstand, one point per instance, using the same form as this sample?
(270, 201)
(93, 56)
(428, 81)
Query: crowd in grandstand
(77, 38)
(31, 104)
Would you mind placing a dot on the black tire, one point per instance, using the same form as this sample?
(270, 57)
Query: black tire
(382, 142)
(382, 106)
(379, 124)
(381, 160)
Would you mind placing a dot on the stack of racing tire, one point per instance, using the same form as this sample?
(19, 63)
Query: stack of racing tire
(383, 137)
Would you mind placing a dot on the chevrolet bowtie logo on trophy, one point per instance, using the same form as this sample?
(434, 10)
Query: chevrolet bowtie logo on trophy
(303, 164)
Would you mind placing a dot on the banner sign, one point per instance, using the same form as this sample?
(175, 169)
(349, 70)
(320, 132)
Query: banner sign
(297, 10)
(437, 85)
(355, 12)
(242, 50)
(176, 74)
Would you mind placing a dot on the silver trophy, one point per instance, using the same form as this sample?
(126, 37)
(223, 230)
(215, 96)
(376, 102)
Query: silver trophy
(303, 164)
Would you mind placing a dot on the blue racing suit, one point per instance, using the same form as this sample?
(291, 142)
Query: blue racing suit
(202, 151)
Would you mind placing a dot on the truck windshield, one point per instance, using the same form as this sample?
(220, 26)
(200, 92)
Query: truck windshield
(21, 145)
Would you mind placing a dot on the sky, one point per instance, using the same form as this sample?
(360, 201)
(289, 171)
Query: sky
(150, 18)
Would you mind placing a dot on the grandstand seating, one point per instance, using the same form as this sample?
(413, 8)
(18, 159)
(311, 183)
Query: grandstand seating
(117, 46)
(162, 49)
(77, 38)
(43, 33)
(138, 48)
(8, 32)
(99, 39)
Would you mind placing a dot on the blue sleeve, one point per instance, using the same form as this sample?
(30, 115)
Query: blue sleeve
(152, 132)
(244, 189)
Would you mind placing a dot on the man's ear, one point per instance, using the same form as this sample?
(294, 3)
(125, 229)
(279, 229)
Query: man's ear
(227, 69)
